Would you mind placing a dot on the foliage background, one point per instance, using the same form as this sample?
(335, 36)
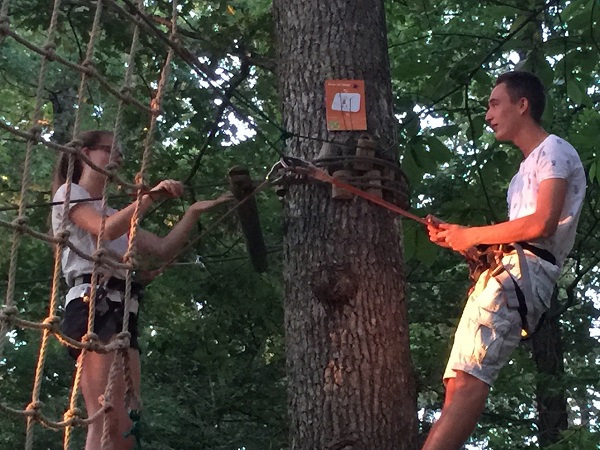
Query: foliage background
(213, 354)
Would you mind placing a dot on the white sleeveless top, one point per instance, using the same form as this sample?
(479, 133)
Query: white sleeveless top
(72, 264)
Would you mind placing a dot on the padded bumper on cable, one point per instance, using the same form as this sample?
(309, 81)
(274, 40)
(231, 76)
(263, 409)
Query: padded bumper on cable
(241, 186)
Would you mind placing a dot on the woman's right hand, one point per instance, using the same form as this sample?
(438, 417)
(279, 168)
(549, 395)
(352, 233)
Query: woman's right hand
(166, 189)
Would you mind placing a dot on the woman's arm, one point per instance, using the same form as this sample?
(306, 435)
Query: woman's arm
(116, 225)
(167, 246)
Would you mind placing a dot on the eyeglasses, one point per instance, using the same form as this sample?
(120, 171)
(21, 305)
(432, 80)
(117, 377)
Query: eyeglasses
(107, 148)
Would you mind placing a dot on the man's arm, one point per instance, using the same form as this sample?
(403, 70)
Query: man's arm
(542, 223)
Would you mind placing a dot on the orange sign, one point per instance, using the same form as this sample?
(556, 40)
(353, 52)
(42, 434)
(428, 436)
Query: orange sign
(345, 103)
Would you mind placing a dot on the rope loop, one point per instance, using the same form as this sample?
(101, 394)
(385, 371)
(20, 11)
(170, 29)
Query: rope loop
(8, 314)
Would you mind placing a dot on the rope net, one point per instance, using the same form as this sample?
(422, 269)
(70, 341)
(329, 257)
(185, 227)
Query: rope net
(37, 140)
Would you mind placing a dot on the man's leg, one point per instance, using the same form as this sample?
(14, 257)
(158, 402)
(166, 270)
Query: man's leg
(465, 400)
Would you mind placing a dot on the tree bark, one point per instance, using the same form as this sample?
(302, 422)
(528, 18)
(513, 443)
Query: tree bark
(350, 378)
(550, 391)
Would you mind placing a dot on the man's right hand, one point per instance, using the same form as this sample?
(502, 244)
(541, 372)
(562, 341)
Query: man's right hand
(433, 228)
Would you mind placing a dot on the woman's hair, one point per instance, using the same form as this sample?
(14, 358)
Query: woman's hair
(87, 139)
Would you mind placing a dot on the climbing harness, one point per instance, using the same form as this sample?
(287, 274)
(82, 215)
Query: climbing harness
(489, 258)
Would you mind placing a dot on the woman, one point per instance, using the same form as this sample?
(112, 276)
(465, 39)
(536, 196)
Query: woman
(84, 225)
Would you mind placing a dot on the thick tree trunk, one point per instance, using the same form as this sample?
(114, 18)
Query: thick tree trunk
(550, 393)
(350, 376)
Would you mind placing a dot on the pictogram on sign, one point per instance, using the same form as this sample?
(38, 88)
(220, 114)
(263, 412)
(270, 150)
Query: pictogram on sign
(345, 103)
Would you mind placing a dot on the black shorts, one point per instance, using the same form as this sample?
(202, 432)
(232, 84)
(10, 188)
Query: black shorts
(107, 323)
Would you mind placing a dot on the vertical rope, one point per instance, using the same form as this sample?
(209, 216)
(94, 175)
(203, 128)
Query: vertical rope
(94, 33)
(131, 255)
(22, 219)
(118, 359)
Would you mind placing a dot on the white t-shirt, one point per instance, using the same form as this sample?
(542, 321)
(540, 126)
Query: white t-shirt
(72, 264)
(553, 158)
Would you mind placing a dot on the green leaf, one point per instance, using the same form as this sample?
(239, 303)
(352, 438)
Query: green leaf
(476, 127)
(413, 172)
(426, 251)
(439, 152)
(543, 70)
(423, 158)
(548, 115)
(446, 130)
(593, 171)
(574, 92)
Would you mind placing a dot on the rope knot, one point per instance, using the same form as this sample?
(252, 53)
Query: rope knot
(33, 409)
(91, 341)
(125, 92)
(35, 133)
(111, 167)
(8, 314)
(99, 256)
(52, 323)
(89, 67)
(63, 236)
(50, 51)
(106, 403)
(73, 416)
(76, 144)
(20, 223)
(121, 342)
(124, 337)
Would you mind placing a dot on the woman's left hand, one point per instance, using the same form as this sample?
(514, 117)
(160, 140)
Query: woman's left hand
(205, 205)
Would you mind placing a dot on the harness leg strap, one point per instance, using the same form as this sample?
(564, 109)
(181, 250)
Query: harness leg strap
(522, 299)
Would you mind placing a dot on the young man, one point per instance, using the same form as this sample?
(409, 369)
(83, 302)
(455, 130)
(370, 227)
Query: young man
(544, 203)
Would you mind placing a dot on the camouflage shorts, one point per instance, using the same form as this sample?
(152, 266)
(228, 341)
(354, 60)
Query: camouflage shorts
(490, 327)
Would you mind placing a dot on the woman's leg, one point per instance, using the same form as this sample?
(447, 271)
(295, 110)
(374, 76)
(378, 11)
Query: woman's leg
(94, 378)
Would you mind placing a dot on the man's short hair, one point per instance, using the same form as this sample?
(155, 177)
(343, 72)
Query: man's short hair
(525, 84)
